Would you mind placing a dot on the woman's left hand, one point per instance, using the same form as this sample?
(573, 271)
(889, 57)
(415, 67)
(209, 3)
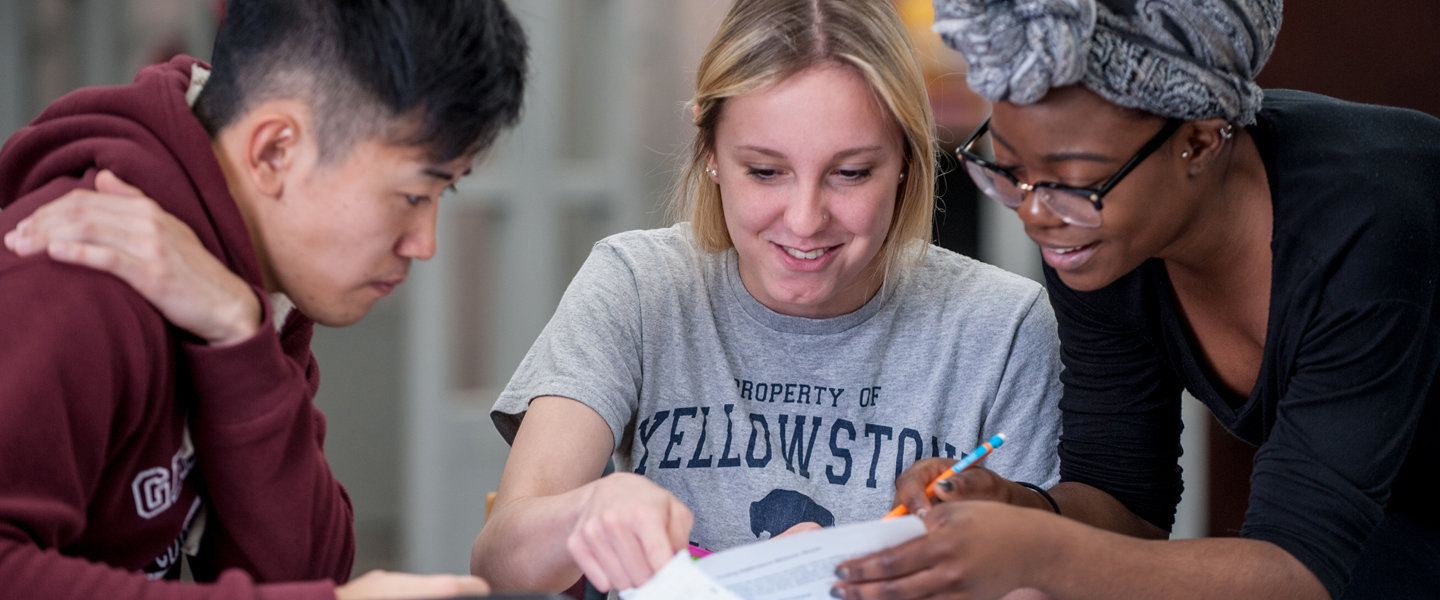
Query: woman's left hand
(971, 550)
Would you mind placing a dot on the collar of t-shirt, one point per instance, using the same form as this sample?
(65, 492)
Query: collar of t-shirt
(281, 304)
(800, 325)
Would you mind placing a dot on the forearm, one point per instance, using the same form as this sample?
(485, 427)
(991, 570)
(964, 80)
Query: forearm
(523, 544)
(259, 442)
(26, 571)
(1097, 565)
(1093, 507)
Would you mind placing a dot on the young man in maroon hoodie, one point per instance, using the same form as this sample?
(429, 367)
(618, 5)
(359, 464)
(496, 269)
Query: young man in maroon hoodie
(166, 414)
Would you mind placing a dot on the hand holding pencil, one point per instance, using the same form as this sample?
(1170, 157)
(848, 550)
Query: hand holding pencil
(970, 460)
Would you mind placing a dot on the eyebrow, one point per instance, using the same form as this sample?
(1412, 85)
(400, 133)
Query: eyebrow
(842, 154)
(1055, 157)
(442, 174)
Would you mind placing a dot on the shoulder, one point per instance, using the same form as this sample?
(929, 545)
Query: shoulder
(80, 342)
(666, 258)
(672, 245)
(962, 287)
(69, 304)
(1346, 147)
(1356, 190)
(966, 278)
(1295, 113)
(64, 297)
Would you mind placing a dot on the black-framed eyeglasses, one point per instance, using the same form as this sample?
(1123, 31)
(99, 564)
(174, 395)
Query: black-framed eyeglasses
(1075, 205)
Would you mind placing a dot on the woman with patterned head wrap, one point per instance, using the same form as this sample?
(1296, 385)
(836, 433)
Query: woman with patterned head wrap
(1275, 253)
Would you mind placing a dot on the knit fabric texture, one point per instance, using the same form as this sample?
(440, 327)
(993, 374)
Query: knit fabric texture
(1186, 59)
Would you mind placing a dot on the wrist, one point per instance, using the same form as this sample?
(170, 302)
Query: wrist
(1020, 495)
(240, 322)
(1061, 550)
(1049, 500)
(579, 499)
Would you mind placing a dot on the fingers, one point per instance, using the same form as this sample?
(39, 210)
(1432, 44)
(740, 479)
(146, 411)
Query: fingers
(105, 233)
(629, 529)
(608, 549)
(1026, 594)
(80, 216)
(588, 563)
(625, 536)
(906, 559)
(112, 252)
(123, 233)
(591, 548)
(99, 258)
(451, 586)
(800, 528)
(910, 485)
(383, 585)
(941, 581)
(13, 242)
(681, 522)
(976, 483)
(80, 202)
(107, 182)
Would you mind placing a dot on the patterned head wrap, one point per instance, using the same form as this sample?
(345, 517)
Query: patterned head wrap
(1187, 59)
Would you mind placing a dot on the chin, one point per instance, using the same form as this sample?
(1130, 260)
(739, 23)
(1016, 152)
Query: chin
(336, 316)
(802, 297)
(1088, 281)
(343, 321)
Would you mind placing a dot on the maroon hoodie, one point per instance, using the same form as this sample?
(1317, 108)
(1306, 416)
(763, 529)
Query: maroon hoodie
(124, 441)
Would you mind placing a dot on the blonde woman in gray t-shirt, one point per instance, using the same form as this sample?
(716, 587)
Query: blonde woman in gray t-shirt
(775, 361)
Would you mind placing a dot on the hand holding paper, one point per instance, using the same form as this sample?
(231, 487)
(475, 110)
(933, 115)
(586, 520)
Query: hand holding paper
(795, 567)
(680, 578)
(983, 550)
(627, 529)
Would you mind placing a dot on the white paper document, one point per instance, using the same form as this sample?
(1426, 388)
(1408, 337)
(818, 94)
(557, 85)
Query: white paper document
(794, 567)
(679, 579)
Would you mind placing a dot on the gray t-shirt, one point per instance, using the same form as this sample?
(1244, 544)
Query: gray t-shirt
(757, 420)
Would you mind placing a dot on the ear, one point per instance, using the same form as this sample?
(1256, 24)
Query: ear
(1202, 143)
(273, 150)
(712, 169)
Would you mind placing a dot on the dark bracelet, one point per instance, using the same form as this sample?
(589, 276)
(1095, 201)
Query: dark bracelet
(1042, 492)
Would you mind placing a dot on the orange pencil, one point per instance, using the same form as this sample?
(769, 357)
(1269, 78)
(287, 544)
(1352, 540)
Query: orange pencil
(969, 461)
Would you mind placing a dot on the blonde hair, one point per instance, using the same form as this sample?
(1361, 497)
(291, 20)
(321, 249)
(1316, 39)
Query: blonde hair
(762, 42)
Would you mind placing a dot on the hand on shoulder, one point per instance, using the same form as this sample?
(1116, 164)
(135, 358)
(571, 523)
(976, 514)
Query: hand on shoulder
(118, 230)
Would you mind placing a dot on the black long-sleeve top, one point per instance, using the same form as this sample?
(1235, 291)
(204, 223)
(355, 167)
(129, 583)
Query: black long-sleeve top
(1344, 409)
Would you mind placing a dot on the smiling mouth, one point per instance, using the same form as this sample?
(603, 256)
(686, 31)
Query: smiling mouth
(1063, 251)
(811, 255)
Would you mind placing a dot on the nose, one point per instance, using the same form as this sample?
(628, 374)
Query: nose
(1034, 213)
(419, 241)
(807, 214)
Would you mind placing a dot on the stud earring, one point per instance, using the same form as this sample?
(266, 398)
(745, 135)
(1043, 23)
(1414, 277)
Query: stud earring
(712, 172)
(1185, 154)
(1228, 131)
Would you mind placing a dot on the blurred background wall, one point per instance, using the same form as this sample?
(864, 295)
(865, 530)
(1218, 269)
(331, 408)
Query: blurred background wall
(407, 391)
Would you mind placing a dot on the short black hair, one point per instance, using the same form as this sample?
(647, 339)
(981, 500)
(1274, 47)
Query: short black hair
(445, 75)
